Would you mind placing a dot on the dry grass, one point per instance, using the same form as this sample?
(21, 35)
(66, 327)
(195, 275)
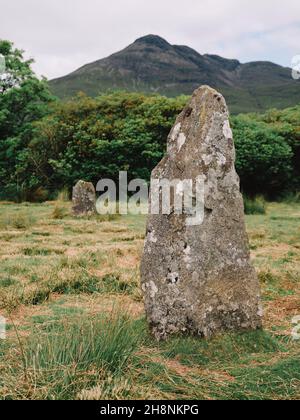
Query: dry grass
(56, 268)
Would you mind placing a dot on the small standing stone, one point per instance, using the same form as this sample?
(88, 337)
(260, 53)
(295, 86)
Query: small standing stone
(199, 279)
(84, 199)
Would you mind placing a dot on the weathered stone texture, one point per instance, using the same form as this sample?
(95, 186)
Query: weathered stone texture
(199, 279)
(84, 199)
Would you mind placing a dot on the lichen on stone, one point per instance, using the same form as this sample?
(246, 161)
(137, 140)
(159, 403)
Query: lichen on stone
(199, 279)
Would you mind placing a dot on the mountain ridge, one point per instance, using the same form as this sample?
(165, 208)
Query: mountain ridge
(153, 65)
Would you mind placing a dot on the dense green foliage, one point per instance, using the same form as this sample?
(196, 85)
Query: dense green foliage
(256, 206)
(268, 151)
(23, 100)
(46, 145)
(264, 156)
(93, 139)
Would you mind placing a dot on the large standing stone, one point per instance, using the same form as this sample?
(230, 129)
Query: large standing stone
(84, 199)
(199, 279)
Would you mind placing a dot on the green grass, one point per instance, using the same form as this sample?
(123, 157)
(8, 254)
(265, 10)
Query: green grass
(62, 280)
(59, 363)
(246, 366)
(266, 382)
(227, 348)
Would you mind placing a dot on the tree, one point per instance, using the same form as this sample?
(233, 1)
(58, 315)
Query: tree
(264, 157)
(89, 138)
(24, 99)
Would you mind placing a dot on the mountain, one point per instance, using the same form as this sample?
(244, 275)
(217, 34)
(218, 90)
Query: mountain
(153, 65)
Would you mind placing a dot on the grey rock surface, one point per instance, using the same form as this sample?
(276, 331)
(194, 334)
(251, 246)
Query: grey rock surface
(84, 199)
(199, 279)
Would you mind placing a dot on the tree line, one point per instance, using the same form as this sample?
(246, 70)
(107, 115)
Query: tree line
(47, 145)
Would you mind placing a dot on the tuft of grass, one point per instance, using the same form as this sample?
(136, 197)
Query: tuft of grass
(31, 252)
(43, 234)
(59, 212)
(101, 218)
(21, 220)
(34, 297)
(7, 281)
(268, 278)
(111, 388)
(74, 356)
(112, 283)
(79, 283)
(83, 282)
(63, 196)
(254, 206)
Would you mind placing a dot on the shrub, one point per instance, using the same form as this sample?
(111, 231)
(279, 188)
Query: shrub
(255, 205)
(97, 137)
(291, 198)
(39, 195)
(264, 157)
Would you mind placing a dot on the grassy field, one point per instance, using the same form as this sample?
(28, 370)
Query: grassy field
(69, 289)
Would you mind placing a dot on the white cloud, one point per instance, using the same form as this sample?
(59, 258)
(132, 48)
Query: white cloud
(64, 34)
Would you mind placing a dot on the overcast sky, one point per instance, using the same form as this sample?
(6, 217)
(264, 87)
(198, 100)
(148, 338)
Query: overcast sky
(62, 35)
